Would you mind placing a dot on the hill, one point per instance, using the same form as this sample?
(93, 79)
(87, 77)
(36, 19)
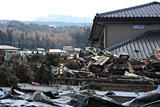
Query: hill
(54, 24)
(32, 35)
(59, 24)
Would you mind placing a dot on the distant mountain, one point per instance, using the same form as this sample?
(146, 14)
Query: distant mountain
(4, 21)
(64, 18)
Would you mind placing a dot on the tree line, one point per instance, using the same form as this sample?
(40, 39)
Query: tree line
(33, 36)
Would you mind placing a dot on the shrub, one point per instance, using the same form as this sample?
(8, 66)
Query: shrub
(7, 77)
(23, 72)
(72, 65)
(52, 59)
(43, 75)
(36, 58)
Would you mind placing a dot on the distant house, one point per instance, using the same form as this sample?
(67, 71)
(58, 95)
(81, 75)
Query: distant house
(40, 50)
(111, 28)
(68, 48)
(57, 51)
(7, 48)
(25, 52)
(77, 49)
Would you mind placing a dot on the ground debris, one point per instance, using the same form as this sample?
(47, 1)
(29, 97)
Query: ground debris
(102, 70)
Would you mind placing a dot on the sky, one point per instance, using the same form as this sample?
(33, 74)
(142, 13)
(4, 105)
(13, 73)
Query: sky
(28, 10)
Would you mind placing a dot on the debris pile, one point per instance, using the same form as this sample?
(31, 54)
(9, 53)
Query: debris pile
(83, 69)
(105, 67)
(64, 97)
(101, 70)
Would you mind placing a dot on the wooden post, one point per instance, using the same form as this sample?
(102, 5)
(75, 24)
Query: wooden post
(105, 36)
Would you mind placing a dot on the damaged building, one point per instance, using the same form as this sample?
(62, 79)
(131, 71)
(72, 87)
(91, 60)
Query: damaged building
(139, 47)
(119, 75)
(134, 30)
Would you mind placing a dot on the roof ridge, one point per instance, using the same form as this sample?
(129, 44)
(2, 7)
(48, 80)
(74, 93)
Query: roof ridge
(133, 7)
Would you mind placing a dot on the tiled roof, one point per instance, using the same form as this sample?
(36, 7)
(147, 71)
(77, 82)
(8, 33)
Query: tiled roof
(139, 47)
(147, 10)
(146, 13)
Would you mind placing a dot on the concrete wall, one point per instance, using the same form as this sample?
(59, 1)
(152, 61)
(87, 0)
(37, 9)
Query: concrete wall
(117, 33)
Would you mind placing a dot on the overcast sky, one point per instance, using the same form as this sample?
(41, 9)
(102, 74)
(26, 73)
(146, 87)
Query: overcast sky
(27, 10)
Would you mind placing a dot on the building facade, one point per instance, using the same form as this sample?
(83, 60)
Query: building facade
(111, 28)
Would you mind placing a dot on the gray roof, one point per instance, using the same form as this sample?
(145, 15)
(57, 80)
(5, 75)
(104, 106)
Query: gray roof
(139, 47)
(67, 48)
(142, 14)
(40, 49)
(6, 47)
(147, 10)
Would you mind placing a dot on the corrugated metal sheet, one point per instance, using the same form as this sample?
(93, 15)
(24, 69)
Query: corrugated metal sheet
(139, 47)
(146, 10)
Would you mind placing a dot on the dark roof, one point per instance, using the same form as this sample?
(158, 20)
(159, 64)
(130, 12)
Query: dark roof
(141, 47)
(147, 10)
(142, 14)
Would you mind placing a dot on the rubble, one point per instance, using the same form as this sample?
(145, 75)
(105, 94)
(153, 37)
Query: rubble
(3, 93)
(101, 70)
(40, 96)
(75, 96)
(91, 101)
(144, 99)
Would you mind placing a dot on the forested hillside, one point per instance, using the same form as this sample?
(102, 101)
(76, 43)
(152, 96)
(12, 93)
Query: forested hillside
(33, 36)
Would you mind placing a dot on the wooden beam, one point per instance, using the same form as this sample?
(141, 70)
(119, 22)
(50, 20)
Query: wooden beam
(105, 35)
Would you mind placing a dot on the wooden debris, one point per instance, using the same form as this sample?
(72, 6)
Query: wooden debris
(106, 59)
(130, 67)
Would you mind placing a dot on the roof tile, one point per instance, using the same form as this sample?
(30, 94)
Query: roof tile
(140, 47)
(147, 10)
